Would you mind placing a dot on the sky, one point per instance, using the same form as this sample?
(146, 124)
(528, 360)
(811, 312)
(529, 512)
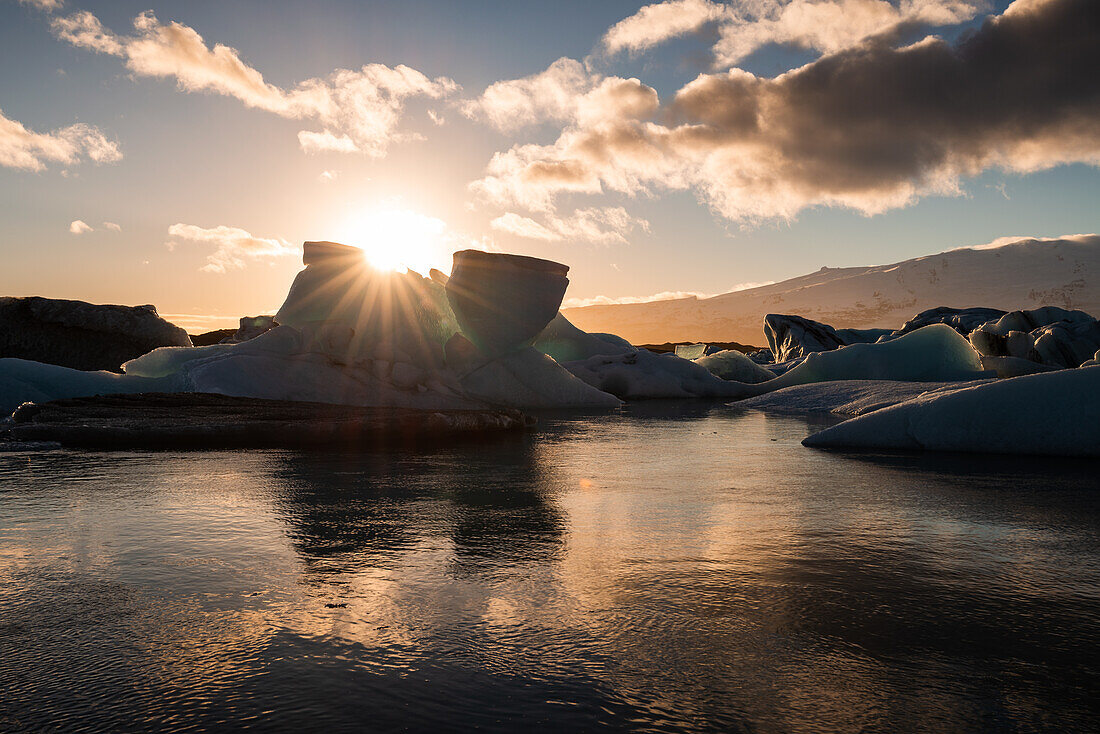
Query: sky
(179, 153)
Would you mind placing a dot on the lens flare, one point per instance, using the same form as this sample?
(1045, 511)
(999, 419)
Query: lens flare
(396, 239)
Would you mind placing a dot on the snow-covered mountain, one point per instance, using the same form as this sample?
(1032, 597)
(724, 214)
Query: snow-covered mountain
(1021, 274)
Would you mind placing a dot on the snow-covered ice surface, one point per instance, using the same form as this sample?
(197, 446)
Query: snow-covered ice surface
(845, 397)
(1055, 414)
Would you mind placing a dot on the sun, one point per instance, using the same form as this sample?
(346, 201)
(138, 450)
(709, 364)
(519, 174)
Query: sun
(396, 239)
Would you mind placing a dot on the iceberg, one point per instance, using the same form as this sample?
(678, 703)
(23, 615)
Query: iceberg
(503, 301)
(1049, 336)
(845, 397)
(962, 320)
(1052, 414)
(81, 335)
(791, 337)
(934, 353)
(729, 364)
(566, 343)
(645, 374)
(352, 335)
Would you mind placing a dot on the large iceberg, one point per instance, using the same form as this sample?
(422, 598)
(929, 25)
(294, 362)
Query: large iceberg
(1055, 414)
(81, 335)
(353, 335)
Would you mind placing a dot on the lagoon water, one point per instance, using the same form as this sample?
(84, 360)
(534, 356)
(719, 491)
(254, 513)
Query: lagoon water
(673, 567)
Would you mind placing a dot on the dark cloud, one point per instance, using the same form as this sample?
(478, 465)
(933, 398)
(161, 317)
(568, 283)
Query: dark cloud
(871, 127)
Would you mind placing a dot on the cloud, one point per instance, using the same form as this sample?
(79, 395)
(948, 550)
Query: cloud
(654, 24)
(328, 176)
(48, 5)
(80, 227)
(608, 225)
(869, 128)
(27, 150)
(233, 246)
(1020, 239)
(359, 111)
(828, 26)
(564, 92)
(621, 300)
(549, 95)
(112, 226)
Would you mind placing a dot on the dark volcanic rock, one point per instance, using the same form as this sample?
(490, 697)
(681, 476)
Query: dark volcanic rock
(81, 335)
(206, 421)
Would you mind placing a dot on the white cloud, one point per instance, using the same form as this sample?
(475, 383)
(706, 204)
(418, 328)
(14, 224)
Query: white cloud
(233, 246)
(27, 150)
(564, 92)
(328, 176)
(829, 26)
(744, 26)
(80, 227)
(521, 226)
(48, 5)
(548, 95)
(621, 300)
(1021, 239)
(606, 225)
(654, 24)
(112, 226)
(359, 111)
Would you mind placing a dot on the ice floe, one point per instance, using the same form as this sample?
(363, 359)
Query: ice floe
(1055, 414)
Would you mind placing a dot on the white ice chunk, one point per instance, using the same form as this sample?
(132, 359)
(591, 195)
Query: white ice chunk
(845, 397)
(529, 379)
(730, 364)
(566, 343)
(22, 380)
(1055, 414)
(644, 374)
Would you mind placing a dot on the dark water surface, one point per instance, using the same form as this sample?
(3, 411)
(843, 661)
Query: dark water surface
(674, 567)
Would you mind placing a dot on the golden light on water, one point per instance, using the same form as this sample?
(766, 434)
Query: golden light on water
(396, 239)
